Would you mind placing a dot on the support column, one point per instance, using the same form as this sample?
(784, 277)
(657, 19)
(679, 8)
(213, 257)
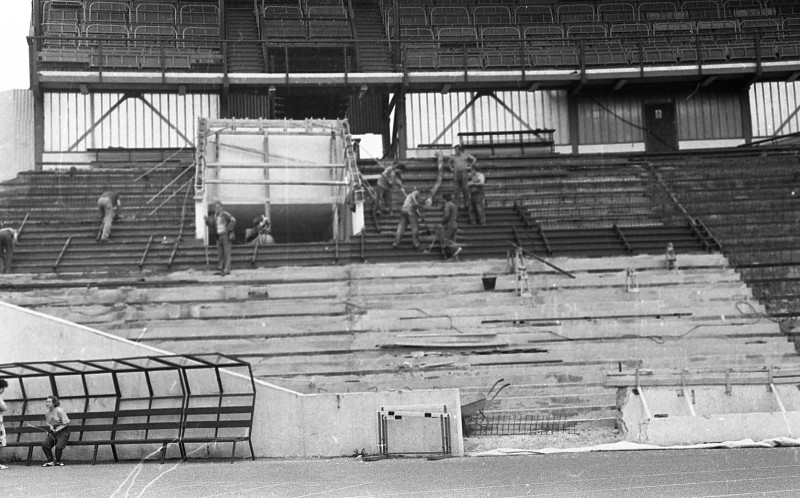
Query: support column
(400, 122)
(38, 128)
(747, 119)
(574, 124)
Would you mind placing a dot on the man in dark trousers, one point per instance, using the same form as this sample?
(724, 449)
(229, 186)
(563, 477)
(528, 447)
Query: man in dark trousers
(460, 164)
(446, 233)
(477, 198)
(8, 238)
(391, 177)
(409, 215)
(222, 223)
(109, 206)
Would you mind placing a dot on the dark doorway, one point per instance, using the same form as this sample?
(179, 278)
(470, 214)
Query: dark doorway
(661, 127)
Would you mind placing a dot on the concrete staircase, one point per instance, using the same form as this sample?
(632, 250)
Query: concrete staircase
(428, 325)
(750, 204)
(369, 27)
(245, 53)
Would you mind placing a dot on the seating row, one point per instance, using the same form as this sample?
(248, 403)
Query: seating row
(769, 28)
(282, 21)
(508, 13)
(445, 54)
(70, 34)
(119, 12)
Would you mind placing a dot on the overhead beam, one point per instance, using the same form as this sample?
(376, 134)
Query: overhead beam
(708, 81)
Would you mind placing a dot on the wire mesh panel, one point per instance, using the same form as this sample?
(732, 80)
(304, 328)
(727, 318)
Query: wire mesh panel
(514, 424)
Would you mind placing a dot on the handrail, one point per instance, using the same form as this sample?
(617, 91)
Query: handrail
(160, 164)
(61, 254)
(186, 184)
(183, 224)
(22, 225)
(255, 254)
(188, 168)
(631, 51)
(146, 250)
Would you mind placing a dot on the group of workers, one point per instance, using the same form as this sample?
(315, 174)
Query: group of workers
(468, 193)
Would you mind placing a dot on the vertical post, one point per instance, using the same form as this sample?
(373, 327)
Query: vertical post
(400, 122)
(266, 176)
(747, 120)
(574, 122)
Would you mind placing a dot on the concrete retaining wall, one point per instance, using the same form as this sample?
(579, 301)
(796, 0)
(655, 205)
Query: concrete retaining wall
(286, 424)
(708, 414)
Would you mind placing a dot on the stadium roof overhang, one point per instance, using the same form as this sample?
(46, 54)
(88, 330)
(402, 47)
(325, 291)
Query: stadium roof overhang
(427, 81)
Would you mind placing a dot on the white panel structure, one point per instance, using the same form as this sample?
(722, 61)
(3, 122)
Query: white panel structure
(436, 119)
(16, 134)
(75, 122)
(775, 108)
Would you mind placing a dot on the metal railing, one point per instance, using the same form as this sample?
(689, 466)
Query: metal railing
(512, 424)
(338, 55)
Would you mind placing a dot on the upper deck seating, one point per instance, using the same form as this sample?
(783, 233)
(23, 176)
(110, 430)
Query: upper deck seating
(658, 11)
(701, 10)
(155, 13)
(501, 46)
(616, 12)
(60, 34)
(69, 11)
(491, 15)
(284, 21)
(458, 45)
(533, 14)
(450, 16)
(112, 35)
(155, 36)
(420, 47)
(323, 3)
(715, 39)
(108, 13)
(672, 41)
(328, 22)
(742, 8)
(198, 14)
(201, 38)
(574, 13)
(785, 8)
(547, 46)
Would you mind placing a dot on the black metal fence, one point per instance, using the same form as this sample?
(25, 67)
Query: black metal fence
(516, 424)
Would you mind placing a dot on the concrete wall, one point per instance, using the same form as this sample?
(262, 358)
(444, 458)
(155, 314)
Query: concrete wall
(16, 134)
(286, 424)
(707, 414)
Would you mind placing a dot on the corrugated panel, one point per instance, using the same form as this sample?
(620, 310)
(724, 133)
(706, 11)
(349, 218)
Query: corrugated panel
(16, 134)
(76, 122)
(775, 109)
(709, 115)
(430, 116)
(365, 114)
(248, 106)
(610, 119)
(617, 118)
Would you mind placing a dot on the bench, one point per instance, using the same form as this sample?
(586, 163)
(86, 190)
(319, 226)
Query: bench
(102, 428)
(522, 142)
(218, 424)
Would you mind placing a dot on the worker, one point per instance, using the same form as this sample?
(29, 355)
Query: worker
(391, 177)
(109, 205)
(460, 164)
(410, 215)
(8, 239)
(477, 198)
(222, 223)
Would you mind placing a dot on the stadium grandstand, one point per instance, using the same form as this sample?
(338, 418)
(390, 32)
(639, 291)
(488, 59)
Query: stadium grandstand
(641, 235)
